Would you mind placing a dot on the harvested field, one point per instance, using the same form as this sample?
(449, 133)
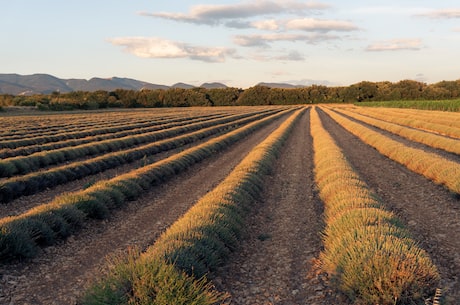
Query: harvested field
(55, 241)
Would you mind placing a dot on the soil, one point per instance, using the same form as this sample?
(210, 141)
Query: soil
(277, 261)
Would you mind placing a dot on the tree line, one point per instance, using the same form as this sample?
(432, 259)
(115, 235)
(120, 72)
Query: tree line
(259, 95)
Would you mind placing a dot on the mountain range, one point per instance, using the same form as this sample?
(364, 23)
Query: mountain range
(45, 84)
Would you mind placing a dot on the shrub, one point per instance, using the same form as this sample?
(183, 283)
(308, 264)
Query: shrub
(15, 241)
(133, 279)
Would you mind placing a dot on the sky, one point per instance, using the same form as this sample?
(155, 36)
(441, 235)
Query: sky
(239, 43)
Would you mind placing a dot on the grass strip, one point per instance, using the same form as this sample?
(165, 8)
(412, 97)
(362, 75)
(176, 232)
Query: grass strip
(433, 140)
(197, 242)
(430, 165)
(368, 253)
(16, 187)
(22, 235)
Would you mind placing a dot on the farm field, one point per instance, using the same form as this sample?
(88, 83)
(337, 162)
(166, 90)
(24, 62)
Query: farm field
(79, 189)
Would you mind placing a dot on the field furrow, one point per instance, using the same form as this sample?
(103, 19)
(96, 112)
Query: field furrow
(277, 260)
(46, 224)
(430, 116)
(72, 265)
(332, 204)
(430, 211)
(30, 149)
(430, 139)
(446, 124)
(430, 165)
(26, 164)
(104, 128)
(15, 187)
(368, 252)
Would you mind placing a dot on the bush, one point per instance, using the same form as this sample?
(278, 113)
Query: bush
(15, 241)
(140, 280)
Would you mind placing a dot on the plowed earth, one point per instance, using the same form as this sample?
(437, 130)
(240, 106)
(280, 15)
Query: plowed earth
(277, 261)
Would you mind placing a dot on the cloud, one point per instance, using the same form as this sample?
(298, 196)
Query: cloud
(291, 56)
(304, 24)
(442, 14)
(238, 24)
(396, 45)
(278, 56)
(266, 25)
(153, 47)
(320, 25)
(266, 39)
(215, 14)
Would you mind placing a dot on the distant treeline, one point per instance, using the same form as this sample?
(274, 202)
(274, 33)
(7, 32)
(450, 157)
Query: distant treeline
(259, 95)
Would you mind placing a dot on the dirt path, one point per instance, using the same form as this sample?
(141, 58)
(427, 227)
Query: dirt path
(430, 211)
(276, 263)
(60, 274)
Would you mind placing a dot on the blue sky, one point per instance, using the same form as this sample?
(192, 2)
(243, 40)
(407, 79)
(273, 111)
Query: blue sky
(239, 43)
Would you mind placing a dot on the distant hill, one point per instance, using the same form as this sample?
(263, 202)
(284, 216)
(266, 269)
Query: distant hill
(279, 85)
(182, 86)
(213, 86)
(30, 84)
(45, 84)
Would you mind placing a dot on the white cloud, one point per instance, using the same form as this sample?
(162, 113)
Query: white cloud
(320, 25)
(265, 40)
(215, 14)
(442, 14)
(270, 24)
(396, 45)
(153, 47)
